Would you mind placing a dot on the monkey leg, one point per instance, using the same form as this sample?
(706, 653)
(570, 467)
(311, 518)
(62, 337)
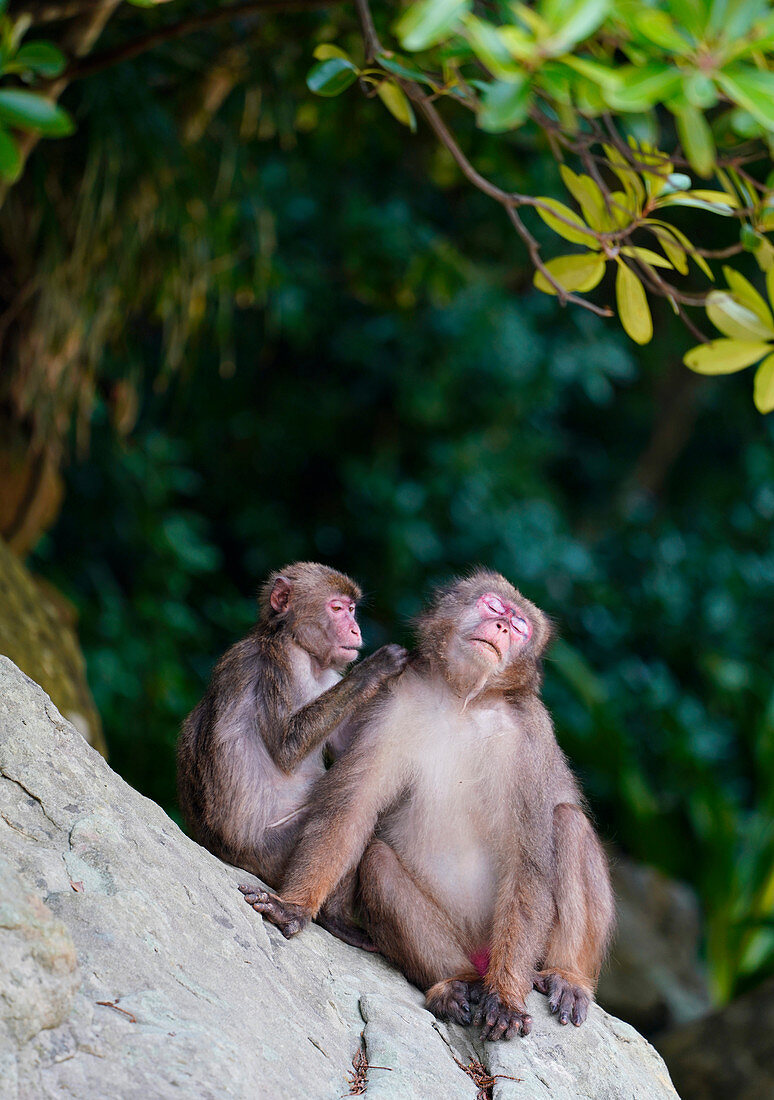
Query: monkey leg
(583, 920)
(336, 916)
(412, 931)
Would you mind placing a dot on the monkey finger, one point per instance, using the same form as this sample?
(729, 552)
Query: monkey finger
(497, 1028)
(580, 1008)
(541, 983)
(566, 1005)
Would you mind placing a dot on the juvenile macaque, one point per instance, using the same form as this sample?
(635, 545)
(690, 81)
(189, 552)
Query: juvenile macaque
(250, 752)
(480, 874)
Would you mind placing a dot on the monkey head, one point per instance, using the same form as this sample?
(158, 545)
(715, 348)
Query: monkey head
(482, 632)
(316, 606)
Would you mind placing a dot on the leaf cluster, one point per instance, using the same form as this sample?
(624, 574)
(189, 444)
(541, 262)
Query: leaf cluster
(23, 110)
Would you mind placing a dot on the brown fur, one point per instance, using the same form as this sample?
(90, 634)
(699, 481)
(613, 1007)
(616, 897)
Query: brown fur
(250, 752)
(472, 826)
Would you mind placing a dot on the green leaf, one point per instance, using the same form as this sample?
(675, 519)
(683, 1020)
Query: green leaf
(588, 194)
(696, 139)
(30, 111)
(429, 21)
(39, 57)
(400, 67)
(576, 231)
(572, 21)
(751, 89)
(593, 71)
(642, 87)
(718, 203)
(633, 306)
(646, 255)
(504, 106)
(331, 76)
(763, 390)
(632, 184)
(734, 319)
(492, 49)
(326, 50)
(658, 27)
(686, 244)
(572, 272)
(675, 252)
(725, 356)
(396, 102)
(10, 160)
(745, 292)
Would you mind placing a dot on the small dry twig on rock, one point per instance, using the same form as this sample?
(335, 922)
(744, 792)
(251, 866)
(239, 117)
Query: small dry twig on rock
(358, 1075)
(482, 1078)
(112, 1004)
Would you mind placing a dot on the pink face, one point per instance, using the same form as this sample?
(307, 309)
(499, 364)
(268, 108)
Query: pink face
(502, 625)
(345, 633)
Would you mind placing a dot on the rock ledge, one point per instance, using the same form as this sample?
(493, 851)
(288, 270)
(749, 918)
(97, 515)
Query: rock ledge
(131, 966)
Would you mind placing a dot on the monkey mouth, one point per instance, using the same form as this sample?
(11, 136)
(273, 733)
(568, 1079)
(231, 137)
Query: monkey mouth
(491, 645)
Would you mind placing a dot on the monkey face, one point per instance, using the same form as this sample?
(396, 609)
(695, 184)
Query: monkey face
(501, 625)
(343, 631)
(482, 631)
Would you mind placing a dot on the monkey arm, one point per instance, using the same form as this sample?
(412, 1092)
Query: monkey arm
(292, 738)
(584, 915)
(348, 800)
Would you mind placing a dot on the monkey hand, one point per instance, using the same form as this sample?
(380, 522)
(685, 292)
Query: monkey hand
(387, 662)
(500, 1020)
(567, 997)
(452, 999)
(289, 918)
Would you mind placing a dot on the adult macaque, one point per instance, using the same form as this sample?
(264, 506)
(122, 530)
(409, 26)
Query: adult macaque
(250, 752)
(480, 872)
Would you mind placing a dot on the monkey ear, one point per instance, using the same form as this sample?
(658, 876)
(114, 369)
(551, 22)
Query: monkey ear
(280, 594)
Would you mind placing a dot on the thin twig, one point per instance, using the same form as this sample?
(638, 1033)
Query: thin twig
(112, 1004)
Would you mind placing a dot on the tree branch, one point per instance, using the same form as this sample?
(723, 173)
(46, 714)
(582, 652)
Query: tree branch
(201, 21)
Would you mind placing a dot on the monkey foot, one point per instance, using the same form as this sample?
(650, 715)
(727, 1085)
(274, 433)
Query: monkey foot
(289, 918)
(452, 999)
(499, 1020)
(346, 932)
(566, 998)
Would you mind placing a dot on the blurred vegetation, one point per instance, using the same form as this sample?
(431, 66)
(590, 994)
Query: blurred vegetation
(279, 328)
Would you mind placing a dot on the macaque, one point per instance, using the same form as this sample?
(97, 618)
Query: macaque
(480, 874)
(250, 752)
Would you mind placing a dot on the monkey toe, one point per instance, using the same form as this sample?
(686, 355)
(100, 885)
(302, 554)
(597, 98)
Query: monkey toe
(499, 1020)
(568, 1001)
(451, 1002)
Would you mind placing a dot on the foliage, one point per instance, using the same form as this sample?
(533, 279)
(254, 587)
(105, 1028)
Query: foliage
(610, 84)
(699, 74)
(747, 324)
(20, 109)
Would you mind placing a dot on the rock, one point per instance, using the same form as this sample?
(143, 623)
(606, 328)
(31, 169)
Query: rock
(653, 977)
(729, 1053)
(37, 633)
(181, 989)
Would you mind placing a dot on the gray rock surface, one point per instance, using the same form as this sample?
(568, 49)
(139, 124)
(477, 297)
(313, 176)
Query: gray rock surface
(131, 967)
